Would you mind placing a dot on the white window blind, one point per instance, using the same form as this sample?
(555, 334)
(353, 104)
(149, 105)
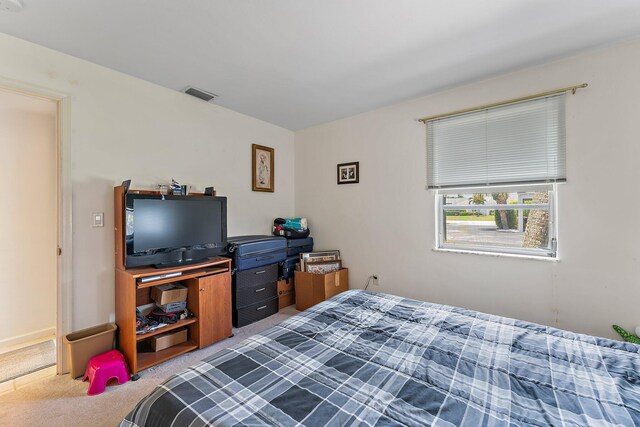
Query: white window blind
(519, 143)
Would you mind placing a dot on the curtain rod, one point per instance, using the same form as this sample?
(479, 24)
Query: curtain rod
(573, 90)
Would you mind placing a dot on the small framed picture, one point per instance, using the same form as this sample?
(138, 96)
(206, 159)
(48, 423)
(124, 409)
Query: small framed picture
(317, 256)
(323, 267)
(262, 174)
(349, 173)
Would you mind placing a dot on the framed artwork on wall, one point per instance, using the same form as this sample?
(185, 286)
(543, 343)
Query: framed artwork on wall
(262, 176)
(349, 173)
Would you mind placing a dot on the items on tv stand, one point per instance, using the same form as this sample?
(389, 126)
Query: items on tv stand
(208, 298)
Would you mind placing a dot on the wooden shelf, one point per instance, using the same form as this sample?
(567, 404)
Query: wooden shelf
(191, 274)
(150, 358)
(167, 328)
(138, 272)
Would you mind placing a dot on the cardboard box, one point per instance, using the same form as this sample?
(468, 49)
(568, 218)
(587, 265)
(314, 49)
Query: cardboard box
(168, 293)
(286, 300)
(286, 286)
(173, 307)
(314, 288)
(286, 293)
(168, 339)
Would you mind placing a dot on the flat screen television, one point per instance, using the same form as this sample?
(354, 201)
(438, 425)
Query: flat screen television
(165, 231)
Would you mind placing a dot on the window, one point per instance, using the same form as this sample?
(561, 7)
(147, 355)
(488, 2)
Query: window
(494, 173)
(503, 221)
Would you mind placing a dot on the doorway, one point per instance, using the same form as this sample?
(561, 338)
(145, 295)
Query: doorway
(29, 229)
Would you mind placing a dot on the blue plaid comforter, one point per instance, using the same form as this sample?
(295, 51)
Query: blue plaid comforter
(372, 359)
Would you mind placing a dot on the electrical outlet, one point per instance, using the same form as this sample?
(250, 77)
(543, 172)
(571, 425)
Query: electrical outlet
(374, 279)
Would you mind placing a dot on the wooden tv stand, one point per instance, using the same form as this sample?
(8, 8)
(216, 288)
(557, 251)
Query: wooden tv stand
(209, 298)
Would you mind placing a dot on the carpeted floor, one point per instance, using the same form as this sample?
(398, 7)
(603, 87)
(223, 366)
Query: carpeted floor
(26, 360)
(61, 401)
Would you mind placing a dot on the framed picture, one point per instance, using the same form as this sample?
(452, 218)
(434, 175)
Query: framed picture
(262, 168)
(323, 267)
(317, 256)
(349, 173)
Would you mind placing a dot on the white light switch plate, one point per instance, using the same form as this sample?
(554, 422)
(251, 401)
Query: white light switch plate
(97, 219)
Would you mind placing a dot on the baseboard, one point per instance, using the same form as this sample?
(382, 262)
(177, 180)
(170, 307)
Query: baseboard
(6, 387)
(11, 385)
(9, 344)
(35, 376)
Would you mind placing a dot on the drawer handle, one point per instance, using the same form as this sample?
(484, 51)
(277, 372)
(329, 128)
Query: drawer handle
(260, 308)
(260, 290)
(260, 272)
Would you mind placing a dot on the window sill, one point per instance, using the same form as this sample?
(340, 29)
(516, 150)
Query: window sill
(497, 254)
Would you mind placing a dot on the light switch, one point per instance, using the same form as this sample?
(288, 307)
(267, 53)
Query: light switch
(98, 219)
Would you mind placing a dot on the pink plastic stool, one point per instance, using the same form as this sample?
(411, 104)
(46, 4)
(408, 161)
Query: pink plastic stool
(102, 368)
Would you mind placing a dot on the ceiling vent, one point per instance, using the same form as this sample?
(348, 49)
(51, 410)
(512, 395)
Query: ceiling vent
(199, 93)
(11, 5)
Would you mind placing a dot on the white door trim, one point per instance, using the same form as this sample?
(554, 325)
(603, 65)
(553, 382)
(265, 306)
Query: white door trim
(63, 154)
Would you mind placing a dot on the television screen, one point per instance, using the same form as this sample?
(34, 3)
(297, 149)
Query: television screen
(174, 229)
(161, 224)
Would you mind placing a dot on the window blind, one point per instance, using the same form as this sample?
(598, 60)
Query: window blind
(519, 143)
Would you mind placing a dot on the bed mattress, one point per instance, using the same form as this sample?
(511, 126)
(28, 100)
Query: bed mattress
(365, 358)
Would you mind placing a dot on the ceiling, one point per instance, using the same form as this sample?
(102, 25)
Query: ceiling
(298, 63)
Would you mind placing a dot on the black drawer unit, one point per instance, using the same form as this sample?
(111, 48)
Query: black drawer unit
(256, 276)
(253, 294)
(252, 313)
(253, 289)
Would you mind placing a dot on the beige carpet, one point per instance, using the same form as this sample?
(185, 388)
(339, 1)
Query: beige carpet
(17, 363)
(59, 400)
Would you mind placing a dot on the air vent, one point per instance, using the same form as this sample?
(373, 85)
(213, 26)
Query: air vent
(199, 93)
(11, 5)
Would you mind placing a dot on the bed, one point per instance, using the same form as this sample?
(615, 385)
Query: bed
(365, 358)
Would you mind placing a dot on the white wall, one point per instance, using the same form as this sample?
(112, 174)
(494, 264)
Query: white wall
(123, 127)
(385, 224)
(27, 218)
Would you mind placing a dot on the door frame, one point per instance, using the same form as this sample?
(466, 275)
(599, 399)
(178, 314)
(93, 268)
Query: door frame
(64, 288)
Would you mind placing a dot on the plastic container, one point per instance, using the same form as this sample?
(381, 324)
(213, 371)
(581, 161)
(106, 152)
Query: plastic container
(86, 343)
